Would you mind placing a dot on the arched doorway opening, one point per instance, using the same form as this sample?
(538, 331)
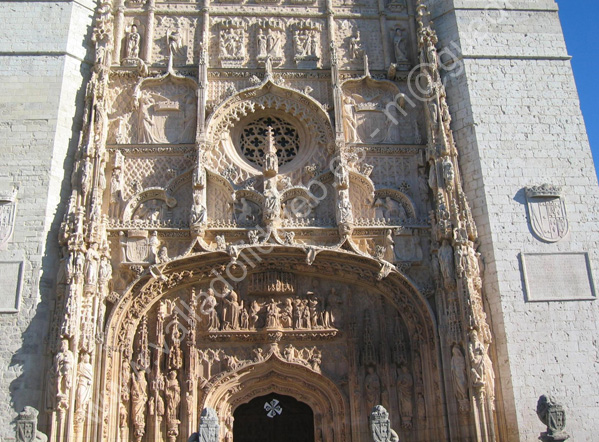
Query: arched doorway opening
(273, 418)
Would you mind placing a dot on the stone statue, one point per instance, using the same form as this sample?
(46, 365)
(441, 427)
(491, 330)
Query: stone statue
(356, 50)
(380, 425)
(63, 369)
(173, 397)
(446, 264)
(262, 43)
(553, 416)
(398, 46)
(405, 383)
(132, 47)
(139, 398)
(476, 351)
(350, 124)
(92, 261)
(233, 310)
(459, 377)
(272, 314)
(84, 383)
(372, 385)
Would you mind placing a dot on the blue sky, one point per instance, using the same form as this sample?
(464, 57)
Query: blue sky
(579, 21)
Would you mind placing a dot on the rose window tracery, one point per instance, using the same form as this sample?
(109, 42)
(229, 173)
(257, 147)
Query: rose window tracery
(254, 140)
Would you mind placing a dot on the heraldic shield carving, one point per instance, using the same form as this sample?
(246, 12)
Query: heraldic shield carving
(380, 425)
(7, 215)
(547, 212)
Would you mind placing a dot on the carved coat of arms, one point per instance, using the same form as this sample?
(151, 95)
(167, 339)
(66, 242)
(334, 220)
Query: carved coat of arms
(380, 425)
(7, 215)
(547, 212)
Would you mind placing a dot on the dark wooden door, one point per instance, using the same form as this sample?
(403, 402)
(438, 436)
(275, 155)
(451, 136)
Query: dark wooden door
(273, 418)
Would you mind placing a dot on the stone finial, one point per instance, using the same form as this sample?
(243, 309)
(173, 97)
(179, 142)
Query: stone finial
(27, 426)
(209, 428)
(380, 425)
(553, 416)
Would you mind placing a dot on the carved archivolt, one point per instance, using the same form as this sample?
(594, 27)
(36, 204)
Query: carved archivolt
(274, 374)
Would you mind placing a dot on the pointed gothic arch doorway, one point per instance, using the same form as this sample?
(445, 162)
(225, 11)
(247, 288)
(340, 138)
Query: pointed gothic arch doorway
(273, 418)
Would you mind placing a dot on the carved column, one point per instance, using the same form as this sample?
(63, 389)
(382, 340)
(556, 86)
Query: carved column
(119, 25)
(459, 273)
(149, 41)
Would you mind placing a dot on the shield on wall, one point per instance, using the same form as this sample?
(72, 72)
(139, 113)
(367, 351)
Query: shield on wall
(137, 246)
(7, 216)
(547, 212)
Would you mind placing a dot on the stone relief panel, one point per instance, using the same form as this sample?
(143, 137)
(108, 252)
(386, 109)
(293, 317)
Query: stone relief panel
(121, 109)
(197, 335)
(372, 112)
(165, 113)
(184, 31)
(356, 37)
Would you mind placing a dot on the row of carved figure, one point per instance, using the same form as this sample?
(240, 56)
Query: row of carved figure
(270, 42)
(298, 313)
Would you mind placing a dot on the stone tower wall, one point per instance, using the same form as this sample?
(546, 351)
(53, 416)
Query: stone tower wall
(517, 123)
(42, 71)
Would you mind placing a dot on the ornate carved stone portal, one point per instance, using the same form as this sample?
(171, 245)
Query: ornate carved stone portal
(252, 217)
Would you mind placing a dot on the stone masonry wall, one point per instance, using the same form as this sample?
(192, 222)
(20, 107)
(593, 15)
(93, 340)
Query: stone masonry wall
(517, 122)
(42, 70)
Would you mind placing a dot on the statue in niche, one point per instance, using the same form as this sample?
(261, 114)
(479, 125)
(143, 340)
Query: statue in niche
(198, 214)
(274, 44)
(232, 312)
(399, 46)
(459, 377)
(476, 351)
(132, 43)
(446, 264)
(405, 384)
(147, 133)
(208, 308)
(272, 314)
(372, 385)
(389, 246)
(246, 211)
(231, 43)
(255, 308)
(139, 398)
(85, 377)
(356, 48)
(297, 314)
(92, 260)
(350, 123)
(262, 44)
(244, 320)
(173, 398)
(286, 317)
(315, 315)
(63, 368)
(344, 212)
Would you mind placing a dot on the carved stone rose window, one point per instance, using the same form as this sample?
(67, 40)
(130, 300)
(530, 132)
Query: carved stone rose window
(254, 139)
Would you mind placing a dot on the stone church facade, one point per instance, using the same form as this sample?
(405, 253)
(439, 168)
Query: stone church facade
(219, 216)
